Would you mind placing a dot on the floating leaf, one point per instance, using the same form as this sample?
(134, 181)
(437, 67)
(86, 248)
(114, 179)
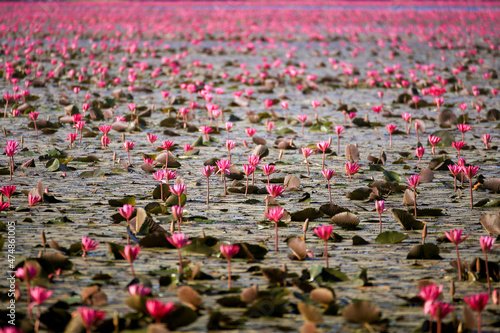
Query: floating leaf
(121, 202)
(322, 274)
(306, 213)
(52, 165)
(390, 237)
(114, 251)
(251, 251)
(346, 220)
(298, 247)
(424, 251)
(407, 221)
(181, 316)
(362, 312)
(352, 153)
(391, 176)
(310, 313)
(93, 173)
(322, 296)
(491, 222)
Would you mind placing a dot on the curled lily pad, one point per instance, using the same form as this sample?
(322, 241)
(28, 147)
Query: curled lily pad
(361, 193)
(322, 274)
(352, 153)
(406, 220)
(424, 251)
(331, 209)
(346, 220)
(298, 247)
(190, 297)
(390, 237)
(362, 312)
(181, 316)
(491, 222)
(358, 240)
(251, 251)
(292, 183)
(323, 296)
(249, 294)
(310, 313)
(306, 213)
(426, 176)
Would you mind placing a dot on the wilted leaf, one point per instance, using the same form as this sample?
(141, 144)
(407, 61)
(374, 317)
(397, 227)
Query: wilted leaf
(424, 251)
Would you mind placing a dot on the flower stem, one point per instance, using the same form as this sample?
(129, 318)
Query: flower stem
(415, 200)
(487, 271)
(459, 265)
(180, 262)
(276, 237)
(132, 269)
(380, 223)
(208, 191)
(471, 199)
(326, 253)
(229, 274)
(329, 192)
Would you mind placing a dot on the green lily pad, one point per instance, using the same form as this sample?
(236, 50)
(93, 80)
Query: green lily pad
(114, 251)
(121, 202)
(93, 173)
(52, 165)
(322, 274)
(391, 176)
(390, 237)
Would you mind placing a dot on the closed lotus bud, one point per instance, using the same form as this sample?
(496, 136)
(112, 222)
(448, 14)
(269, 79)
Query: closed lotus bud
(495, 297)
(424, 233)
(305, 227)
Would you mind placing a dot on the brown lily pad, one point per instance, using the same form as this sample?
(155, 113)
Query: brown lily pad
(346, 220)
(491, 222)
(362, 312)
(406, 220)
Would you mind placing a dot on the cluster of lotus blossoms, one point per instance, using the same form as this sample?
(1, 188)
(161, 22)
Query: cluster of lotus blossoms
(207, 100)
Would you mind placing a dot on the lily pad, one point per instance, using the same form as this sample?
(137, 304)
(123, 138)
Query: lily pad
(390, 237)
(322, 274)
(424, 251)
(406, 220)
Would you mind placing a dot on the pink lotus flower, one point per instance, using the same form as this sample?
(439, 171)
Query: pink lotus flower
(407, 118)
(413, 183)
(8, 191)
(477, 303)
(458, 146)
(206, 130)
(88, 245)
(455, 171)
(391, 129)
(178, 190)
(179, 240)
(439, 310)
(486, 243)
(126, 212)
(455, 237)
(431, 292)
(223, 166)
(380, 208)
(248, 169)
(338, 131)
(324, 232)
(275, 190)
(253, 160)
(307, 152)
(377, 110)
(138, 290)
(486, 139)
(463, 128)
(39, 295)
(351, 169)
(328, 174)
(207, 171)
(250, 131)
(433, 140)
(302, 118)
(268, 170)
(167, 145)
(159, 310)
(229, 251)
(323, 146)
(229, 125)
(275, 214)
(105, 129)
(419, 152)
(90, 317)
(151, 138)
(470, 172)
(284, 105)
(127, 145)
(268, 103)
(130, 254)
(27, 272)
(33, 199)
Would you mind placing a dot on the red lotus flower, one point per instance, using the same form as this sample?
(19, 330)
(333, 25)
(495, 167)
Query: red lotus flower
(324, 232)
(351, 169)
(90, 317)
(159, 310)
